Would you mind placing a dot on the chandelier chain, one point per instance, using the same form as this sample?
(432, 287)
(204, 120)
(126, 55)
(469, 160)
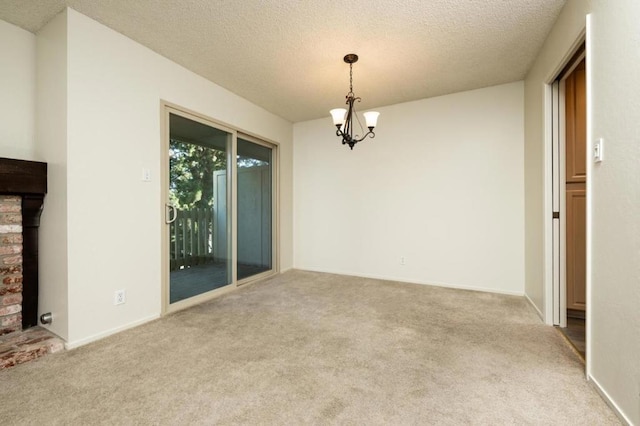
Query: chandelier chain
(350, 78)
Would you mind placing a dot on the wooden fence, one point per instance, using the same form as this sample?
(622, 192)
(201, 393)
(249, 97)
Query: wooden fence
(191, 238)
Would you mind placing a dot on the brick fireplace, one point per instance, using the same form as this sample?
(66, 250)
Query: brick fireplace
(10, 263)
(23, 185)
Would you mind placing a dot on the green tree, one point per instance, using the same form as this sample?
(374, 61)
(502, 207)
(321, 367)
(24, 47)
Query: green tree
(191, 174)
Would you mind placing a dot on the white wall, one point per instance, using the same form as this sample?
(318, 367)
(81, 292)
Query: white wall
(17, 92)
(441, 185)
(614, 310)
(114, 219)
(51, 146)
(613, 49)
(567, 30)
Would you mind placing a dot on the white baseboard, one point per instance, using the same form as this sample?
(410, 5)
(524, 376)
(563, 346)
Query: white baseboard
(95, 337)
(535, 308)
(411, 281)
(610, 402)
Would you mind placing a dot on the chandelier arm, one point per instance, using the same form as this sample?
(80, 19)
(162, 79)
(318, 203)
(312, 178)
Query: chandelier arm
(370, 133)
(359, 122)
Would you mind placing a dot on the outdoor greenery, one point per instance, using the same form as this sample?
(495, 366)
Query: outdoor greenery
(191, 174)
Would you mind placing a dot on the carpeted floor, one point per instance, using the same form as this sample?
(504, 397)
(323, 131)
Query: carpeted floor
(310, 348)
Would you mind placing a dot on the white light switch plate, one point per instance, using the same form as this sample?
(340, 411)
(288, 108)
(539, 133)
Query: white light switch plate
(598, 151)
(146, 175)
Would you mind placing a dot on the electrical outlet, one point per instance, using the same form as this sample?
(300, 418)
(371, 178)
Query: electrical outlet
(119, 297)
(403, 261)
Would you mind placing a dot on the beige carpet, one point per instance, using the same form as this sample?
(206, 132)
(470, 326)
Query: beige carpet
(310, 348)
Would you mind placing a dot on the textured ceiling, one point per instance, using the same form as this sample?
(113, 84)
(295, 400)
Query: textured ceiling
(286, 55)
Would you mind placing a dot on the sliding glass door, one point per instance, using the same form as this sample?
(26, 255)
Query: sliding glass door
(219, 209)
(199, 249)
(255, 199)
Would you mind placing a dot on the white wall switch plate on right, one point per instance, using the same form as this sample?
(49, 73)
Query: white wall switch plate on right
(598, 151)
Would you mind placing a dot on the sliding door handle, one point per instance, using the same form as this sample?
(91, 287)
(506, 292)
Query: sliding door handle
(168, 217)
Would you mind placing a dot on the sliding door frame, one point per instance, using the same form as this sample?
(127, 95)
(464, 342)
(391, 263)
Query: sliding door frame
(167, 108)
(275, 208)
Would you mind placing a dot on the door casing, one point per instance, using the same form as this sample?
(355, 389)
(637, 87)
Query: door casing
(555, 243)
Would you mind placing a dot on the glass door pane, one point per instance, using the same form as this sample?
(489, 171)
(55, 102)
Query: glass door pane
(199, 237)
(254, 208)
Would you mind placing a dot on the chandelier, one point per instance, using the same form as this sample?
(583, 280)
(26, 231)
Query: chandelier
(343, 118)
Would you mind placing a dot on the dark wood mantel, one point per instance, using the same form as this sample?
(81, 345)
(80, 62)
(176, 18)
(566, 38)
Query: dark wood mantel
(28, 179)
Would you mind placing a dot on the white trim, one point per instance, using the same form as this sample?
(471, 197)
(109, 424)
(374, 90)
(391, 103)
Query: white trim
(102, 335)
(547, 206)
(589, 194)
(609, 401)
(556, 191)
(548, 188)
(410, 281)
(559, 202)
(555, 72)
(575, 64)
(562, 196)
(535, 308)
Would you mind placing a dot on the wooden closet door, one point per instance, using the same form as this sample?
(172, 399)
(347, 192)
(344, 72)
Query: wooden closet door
(576, 177)
(576, 247)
